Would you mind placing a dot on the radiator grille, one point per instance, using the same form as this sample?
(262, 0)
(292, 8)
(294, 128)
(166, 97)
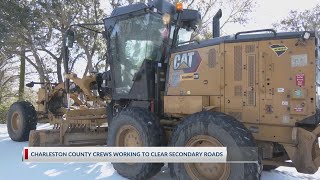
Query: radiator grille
(238, 91)
(251, 80)
(251, 63)
(251, 98)
(250, 48)
(212, 58)
(237, 63)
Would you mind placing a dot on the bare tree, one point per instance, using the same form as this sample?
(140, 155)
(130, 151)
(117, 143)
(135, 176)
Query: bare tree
(7, 78)
(301, 21)
(59, 15)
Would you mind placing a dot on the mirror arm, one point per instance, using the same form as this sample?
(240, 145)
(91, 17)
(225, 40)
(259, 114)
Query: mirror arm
(84, 27)
(176, 30)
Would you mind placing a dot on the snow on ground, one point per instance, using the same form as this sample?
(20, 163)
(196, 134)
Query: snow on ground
(12, 167)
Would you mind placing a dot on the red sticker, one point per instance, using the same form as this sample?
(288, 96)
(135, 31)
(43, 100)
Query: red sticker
(300, 79)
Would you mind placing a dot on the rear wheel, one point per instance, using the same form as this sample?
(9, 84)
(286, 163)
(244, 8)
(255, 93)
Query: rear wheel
(136, 127)
(206, 170)
(205, 129)
(21, 119)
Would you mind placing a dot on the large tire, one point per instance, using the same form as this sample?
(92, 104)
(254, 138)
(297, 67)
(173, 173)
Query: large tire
(216, 129)
(21, 119)
(269, 167)
(109, 110)
(147, 131)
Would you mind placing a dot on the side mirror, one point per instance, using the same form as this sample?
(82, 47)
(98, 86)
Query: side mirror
(69, 38)
(189, 18)
(30, 84)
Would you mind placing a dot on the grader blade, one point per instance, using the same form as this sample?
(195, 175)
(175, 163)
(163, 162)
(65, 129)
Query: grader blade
(51, 138)
(44, 138)
(78, 127)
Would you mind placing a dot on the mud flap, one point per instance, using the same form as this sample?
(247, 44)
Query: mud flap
(305, 155)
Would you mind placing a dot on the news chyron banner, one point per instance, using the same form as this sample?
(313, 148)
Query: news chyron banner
(125, 154)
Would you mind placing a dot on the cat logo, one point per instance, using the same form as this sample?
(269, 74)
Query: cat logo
(188, 61)
(279, 49)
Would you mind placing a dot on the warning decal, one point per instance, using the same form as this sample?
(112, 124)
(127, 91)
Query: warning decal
(300, 79)
(298, 109)
(279, 49)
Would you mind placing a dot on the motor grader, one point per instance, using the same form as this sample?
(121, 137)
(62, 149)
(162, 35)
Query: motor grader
(255, 92)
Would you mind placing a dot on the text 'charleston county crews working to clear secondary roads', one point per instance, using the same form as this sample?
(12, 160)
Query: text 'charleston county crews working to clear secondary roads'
(132, 154)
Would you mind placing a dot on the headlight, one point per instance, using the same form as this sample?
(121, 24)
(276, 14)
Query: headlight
(166, 18)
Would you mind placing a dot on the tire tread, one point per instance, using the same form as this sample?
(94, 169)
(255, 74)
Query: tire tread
(29, 117)
(236, 129)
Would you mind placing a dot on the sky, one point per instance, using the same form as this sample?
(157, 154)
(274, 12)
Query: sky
(263, 16)
(268, 12)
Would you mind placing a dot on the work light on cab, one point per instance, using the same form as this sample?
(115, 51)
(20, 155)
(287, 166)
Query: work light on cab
(306, 35)
(179, 6)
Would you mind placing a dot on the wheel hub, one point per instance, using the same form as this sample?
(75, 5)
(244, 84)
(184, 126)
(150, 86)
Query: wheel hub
(206, 171)
(16, 121)
(128, 136)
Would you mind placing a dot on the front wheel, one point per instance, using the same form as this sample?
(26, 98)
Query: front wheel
(214, 129)
(21, 119)
(136, 127)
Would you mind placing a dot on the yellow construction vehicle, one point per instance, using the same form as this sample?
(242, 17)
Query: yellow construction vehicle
(255, 92)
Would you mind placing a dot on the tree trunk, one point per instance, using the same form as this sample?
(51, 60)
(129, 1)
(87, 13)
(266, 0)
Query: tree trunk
(59, 71)
(89, 67)
(86, 71)
(22, 74)
(39, 67)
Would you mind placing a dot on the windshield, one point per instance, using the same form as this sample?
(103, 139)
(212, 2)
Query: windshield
(183, 35)
(132, 41)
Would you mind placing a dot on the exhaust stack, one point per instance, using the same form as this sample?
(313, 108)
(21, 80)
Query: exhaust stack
(216, 24)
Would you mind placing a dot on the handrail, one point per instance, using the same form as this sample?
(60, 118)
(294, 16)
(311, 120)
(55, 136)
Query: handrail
(253, 31)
